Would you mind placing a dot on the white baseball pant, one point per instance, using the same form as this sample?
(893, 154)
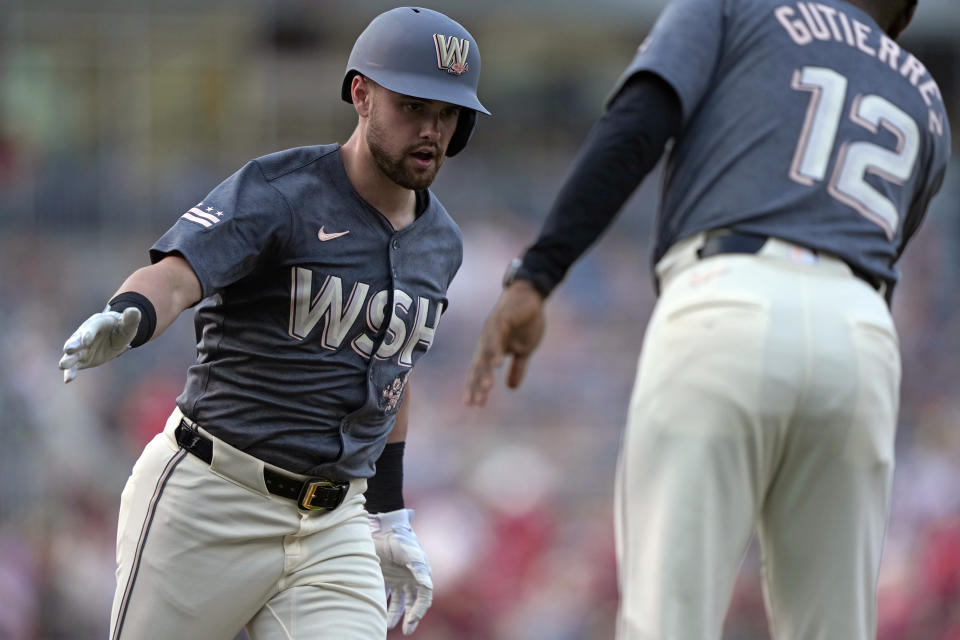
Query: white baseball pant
(204, 551)
(766, 398)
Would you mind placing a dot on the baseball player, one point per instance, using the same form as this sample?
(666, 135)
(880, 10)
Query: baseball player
(321, 275)
(807, 145)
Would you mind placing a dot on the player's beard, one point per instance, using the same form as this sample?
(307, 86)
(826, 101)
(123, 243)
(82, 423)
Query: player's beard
(395, 166)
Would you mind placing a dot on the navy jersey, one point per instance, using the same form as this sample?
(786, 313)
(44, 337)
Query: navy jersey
(803, 121)
(315, 309)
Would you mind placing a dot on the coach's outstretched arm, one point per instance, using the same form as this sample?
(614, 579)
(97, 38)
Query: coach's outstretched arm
(620, 150)
(145, 305)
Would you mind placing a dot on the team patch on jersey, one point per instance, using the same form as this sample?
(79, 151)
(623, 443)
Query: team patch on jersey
(394, 391)
(203, 215)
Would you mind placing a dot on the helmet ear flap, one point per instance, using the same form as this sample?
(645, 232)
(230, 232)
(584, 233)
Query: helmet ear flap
(461, 135)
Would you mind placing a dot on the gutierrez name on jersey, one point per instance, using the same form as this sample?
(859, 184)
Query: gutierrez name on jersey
(807, 22)
(328, 305)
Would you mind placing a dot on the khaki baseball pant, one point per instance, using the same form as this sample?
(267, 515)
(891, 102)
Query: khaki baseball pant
(766, 399)
(204, 551)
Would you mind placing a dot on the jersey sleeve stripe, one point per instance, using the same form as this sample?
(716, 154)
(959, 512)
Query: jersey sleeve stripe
(203, 214)
(193, 218)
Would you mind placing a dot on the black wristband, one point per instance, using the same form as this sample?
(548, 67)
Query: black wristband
(385, 489)
(148, 315)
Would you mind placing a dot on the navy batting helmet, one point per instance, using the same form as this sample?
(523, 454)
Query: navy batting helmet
(424, 54)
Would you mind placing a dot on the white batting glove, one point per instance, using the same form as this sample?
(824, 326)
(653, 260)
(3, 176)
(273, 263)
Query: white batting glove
(102, 337)
(405, 568)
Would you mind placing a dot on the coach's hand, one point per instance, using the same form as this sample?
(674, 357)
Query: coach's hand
(514, 327)
(102, 337)
(406, 572)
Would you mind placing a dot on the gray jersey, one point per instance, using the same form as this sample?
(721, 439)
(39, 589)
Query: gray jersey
(315, 310)
(803, 121)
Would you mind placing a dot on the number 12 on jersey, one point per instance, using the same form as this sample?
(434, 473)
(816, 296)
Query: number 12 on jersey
(854, 159)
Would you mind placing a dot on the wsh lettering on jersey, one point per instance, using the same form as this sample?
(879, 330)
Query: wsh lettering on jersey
(338, 317)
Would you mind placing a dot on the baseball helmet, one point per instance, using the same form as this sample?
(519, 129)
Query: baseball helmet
(424, 54)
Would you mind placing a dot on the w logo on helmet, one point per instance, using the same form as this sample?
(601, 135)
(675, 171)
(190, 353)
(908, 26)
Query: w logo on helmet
(452, 53)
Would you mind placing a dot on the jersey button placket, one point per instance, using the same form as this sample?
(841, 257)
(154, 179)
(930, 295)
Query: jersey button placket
(393, 265)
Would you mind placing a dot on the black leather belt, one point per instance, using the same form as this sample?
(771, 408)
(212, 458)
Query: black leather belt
(314, 494)
(733, 242)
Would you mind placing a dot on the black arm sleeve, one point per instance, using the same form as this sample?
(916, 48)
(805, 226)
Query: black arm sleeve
(623, 146)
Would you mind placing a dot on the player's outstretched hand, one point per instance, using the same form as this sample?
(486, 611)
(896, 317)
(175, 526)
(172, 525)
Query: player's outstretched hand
(514, 327)
(406, 572)
(102, 337)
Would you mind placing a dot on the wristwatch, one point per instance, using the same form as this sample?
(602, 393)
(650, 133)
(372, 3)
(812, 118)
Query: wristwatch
(516, 271)
(511, 273)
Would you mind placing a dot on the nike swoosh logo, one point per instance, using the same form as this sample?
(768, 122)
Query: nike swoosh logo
(330, 236)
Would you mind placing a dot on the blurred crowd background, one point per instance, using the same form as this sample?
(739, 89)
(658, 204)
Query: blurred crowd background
(118, 115)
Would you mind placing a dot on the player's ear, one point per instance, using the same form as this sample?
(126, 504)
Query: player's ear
(361, 91)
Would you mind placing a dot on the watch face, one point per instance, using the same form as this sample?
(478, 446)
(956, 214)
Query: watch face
(511, 272)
